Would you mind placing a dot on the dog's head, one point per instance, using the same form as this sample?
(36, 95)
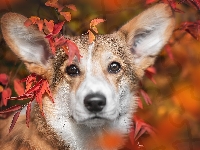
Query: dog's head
(100, 90)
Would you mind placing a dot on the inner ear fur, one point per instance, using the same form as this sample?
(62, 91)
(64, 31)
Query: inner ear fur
(28, 43)
(147, 33)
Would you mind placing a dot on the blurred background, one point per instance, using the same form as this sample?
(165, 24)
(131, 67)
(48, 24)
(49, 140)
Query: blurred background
(175, 108)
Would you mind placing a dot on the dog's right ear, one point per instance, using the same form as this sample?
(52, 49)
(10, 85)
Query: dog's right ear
(28, 43)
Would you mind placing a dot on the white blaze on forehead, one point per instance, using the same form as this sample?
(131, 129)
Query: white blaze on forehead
(89, 61)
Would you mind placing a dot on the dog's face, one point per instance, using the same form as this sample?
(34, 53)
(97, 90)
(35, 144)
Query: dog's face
(102, 86)
(100, 89)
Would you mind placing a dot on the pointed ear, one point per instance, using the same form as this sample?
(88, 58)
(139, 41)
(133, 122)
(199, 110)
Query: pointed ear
(148, 32)
(28, 43)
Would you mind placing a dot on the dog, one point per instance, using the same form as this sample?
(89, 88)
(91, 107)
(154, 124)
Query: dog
(93, 96)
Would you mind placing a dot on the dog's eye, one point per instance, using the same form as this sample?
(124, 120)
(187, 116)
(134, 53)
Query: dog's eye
(72, 70)
(114, 67)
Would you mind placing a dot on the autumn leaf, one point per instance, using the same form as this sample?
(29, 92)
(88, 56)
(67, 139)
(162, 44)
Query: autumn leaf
(66, 15)
(150, 1)
(11, 109)
(14, 120)
(141, 128)
(149, 72)
(140, 105)
(49, 25)
(4, 79)
(194, 3)
(145, 96)
(95, 22)
(18, 86)
(28, 112)
(72, 7)
(57, 27)
(28, 22)
(73, 51)
(55, 4)
(193, 28)
(91, 36)
(6, 95)
(172, 3)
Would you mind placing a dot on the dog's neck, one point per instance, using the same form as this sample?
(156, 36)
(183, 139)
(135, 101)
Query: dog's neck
(81, 136)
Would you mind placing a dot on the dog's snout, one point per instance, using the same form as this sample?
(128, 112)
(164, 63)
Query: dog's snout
(95, 102)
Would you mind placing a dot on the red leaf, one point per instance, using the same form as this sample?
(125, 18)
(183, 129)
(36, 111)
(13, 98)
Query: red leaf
(45, 87)
(140, 105)
(11, 109)
(60, 41)
(28, 111)
(49, 25)
(73, 51)
(141, 127)
(58, 27)
(150, 1)
(18, 86)
(72, 7)
(146, 97)
(14, 120)
(67, 15)
(149, 72)
(4, 79)
(6, 95)
(195, 3)
(193, 28)
(172, 3)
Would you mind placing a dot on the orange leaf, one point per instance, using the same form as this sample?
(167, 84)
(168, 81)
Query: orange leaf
(67, 15)
(28, 22)
(18, 86)
(91, 36)
(72, 7)
(34, 19)
(40, 24)
(5, 95)
(55, 4)
(49, 25)
(95, 29)
(95, 22)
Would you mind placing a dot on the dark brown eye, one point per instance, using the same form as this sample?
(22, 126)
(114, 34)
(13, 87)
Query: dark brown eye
(72, 70)
(114, 67)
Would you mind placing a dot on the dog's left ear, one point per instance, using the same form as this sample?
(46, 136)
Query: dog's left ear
(148, 32)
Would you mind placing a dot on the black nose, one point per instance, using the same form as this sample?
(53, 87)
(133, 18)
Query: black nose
(95, 102)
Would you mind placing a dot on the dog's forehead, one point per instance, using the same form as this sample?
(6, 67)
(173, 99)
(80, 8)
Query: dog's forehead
(109, 43)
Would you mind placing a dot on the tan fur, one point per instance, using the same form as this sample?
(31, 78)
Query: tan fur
(62, 127)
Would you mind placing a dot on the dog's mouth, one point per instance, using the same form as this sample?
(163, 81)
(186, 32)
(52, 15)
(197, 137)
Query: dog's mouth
(95, 121)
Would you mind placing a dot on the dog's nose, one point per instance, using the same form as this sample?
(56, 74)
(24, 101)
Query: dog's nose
(95, 102)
